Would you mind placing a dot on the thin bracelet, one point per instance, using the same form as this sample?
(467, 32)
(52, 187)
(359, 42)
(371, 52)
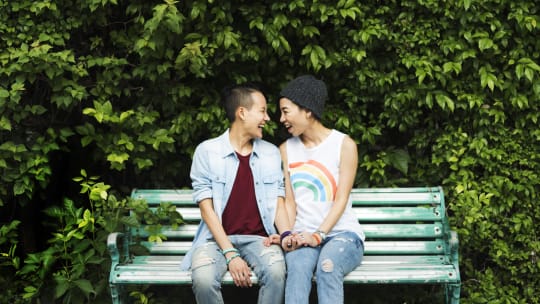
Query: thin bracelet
(234, 256)
(317, 238)
(224, 252)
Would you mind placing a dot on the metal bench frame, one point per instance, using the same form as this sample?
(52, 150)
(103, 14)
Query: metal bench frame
(408, 241)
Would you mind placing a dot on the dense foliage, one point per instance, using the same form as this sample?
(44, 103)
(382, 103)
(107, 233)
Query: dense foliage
(434, 92)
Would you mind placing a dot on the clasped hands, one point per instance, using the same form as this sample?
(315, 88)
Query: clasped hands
(292, 241)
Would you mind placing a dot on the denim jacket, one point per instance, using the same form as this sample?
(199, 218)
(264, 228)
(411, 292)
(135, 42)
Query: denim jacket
(213, 172)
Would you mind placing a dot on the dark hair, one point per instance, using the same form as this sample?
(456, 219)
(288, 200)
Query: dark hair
(238, 95)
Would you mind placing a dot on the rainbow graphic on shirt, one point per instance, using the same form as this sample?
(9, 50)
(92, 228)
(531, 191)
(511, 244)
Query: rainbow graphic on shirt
(315, 177)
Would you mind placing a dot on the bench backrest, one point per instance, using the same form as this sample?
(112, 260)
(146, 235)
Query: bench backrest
(397, 221)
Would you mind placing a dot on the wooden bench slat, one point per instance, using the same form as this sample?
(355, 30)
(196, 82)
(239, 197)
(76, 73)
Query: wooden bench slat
(370, 274)
(371, 231)
(403, 230)
(176, 260)
(192, 213)
(371, 247)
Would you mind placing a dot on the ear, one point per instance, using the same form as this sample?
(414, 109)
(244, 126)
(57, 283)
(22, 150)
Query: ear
(241, 113)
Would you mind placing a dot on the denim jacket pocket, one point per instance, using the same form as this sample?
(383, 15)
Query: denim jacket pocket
(271, 185)
(218, 189)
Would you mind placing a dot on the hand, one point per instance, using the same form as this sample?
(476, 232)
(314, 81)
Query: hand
(305, 239)
(240, 272)
(272, 239)
(289, 243)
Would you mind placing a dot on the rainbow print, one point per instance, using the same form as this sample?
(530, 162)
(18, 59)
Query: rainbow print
(314, 177)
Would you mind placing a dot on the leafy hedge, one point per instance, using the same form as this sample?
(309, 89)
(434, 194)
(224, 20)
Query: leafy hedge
(434, 92)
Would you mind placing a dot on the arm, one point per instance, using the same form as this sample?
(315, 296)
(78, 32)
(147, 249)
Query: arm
(290, 203)
(347, 174)
(289, 243)
(282, 220)
(238, 268)
(202, 186)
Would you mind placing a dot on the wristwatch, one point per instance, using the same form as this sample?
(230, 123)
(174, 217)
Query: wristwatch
(322, 234)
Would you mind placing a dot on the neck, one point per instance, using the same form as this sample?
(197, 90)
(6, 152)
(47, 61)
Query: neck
(315, 135)
(241, 142)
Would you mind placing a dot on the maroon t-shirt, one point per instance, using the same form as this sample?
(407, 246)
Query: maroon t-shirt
(241, 216)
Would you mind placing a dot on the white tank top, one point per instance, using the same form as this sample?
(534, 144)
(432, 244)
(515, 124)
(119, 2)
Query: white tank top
(314, 175)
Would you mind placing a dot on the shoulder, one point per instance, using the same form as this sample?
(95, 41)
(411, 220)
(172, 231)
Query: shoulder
(347, 143)
(208, 144)
(264, 146)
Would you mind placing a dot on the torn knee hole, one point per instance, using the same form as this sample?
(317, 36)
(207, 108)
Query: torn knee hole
(202, 262)
(327, 265)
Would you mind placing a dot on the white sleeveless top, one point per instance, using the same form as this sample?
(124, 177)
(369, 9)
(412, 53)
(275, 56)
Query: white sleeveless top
(314, 175)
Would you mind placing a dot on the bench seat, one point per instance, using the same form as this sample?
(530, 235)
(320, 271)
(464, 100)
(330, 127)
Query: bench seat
(408, 241)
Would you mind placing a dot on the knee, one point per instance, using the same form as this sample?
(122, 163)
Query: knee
(203, 281)
(204, 273)
(275, 269)
(326, 269)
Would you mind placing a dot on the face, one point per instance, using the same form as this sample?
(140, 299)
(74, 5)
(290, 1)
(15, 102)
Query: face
(257, 116)
(294, 118)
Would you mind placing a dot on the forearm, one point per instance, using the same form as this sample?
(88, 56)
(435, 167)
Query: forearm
(282, 221)
(333, 216)
(211, 219)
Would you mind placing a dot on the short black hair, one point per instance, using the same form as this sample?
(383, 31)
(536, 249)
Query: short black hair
(238, 95)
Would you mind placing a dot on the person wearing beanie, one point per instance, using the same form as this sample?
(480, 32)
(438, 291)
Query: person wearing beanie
(307, 92)
(319, 167)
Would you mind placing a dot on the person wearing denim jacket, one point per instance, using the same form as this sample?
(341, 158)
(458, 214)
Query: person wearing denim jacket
(216, 164)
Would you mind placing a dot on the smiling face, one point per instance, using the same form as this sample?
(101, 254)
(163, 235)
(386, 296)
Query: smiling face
(256, 116)
(294, 118)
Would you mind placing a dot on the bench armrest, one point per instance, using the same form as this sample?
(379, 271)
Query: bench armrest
(118, 251)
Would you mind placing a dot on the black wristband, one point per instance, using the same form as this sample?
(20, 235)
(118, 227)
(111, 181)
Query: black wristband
(285, 234)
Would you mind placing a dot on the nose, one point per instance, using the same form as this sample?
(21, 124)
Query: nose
(281, 118)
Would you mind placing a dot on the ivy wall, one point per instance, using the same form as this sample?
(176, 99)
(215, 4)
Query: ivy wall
(434, 92)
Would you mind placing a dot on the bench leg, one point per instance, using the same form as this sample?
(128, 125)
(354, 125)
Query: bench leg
(453, 292)
(116, 294)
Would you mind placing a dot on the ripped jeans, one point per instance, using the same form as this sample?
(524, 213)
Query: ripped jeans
(209, 266)
(335, 258)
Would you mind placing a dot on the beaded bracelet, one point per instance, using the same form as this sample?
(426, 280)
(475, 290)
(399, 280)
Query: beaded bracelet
(234, 256)
(224, 252)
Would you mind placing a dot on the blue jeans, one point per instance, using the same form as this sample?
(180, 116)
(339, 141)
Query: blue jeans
(209, 266)
(335, 258)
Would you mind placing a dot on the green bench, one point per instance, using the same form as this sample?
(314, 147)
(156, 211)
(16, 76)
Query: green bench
(408, 241)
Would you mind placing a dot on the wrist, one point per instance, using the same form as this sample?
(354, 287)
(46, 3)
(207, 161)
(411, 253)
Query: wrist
(232, 257)
(284, 235)
(321, 234)
(228, 253)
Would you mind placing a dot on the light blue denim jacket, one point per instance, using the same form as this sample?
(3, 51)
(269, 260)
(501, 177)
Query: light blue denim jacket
(213, 172)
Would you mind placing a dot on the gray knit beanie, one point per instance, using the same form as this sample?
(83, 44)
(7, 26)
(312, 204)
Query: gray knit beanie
(308, 92)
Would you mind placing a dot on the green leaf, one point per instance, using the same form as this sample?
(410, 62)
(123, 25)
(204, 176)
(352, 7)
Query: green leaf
(85, 286)
(4, 93)
(62, 285)
(5, 124)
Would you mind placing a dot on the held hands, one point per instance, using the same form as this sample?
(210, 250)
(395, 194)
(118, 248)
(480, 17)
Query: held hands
(296, 240)
(272, 239)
